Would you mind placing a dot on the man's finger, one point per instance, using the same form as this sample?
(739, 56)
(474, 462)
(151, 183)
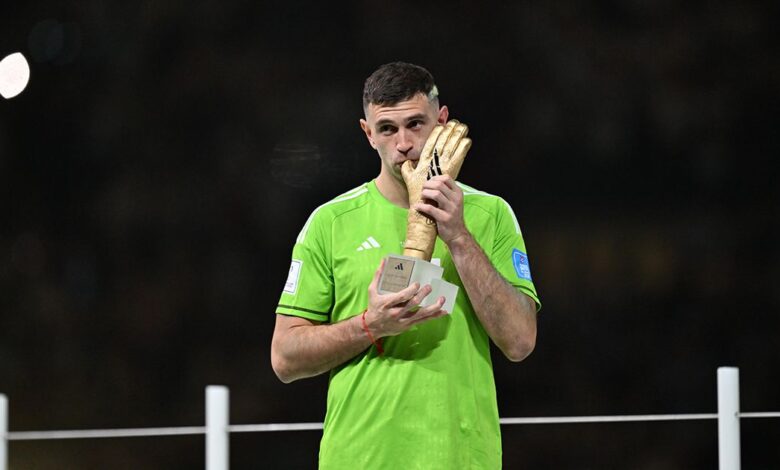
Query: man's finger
(428, 313)
(430, 211)
(434, 307)
(405, 295)
(420, 296)
(440, 198)
(443, 184)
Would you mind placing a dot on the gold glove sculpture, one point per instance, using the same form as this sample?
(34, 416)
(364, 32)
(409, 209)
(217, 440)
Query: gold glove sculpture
(443, 153)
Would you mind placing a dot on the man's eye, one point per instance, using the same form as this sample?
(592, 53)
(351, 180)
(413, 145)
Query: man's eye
(415, 124)
(387, 129)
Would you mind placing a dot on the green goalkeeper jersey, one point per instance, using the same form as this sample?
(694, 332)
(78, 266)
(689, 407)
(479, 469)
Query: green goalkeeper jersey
(429, 402)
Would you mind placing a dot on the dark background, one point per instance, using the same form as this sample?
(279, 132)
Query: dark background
(155, 173)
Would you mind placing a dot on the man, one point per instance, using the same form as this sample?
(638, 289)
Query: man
(409, 388)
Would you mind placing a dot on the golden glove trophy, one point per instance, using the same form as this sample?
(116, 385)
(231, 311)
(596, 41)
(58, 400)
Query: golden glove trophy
(443, 153)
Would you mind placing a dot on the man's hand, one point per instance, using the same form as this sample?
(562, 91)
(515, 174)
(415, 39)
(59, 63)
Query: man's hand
(442, 201)
(392, 314)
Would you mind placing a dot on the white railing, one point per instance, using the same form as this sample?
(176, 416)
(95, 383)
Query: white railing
(218, 429)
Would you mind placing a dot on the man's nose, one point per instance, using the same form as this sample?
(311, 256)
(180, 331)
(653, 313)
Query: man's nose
(404, 142)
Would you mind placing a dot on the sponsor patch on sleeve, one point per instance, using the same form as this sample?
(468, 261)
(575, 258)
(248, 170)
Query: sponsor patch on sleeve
(291, 286)
(520, 262)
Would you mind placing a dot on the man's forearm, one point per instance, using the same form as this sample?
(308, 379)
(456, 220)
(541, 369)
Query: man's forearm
(306, 350)
(301, 348)
(508, 316)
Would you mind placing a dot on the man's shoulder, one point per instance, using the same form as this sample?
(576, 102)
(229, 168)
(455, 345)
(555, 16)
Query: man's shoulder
(495, 206)
(344, 202)
(482, 199)
(341, 204)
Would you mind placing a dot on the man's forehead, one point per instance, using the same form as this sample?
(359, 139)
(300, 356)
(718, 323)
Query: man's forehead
(402, 110)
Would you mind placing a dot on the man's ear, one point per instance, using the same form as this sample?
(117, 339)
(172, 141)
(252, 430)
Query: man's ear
(367, 130)
(443, 115)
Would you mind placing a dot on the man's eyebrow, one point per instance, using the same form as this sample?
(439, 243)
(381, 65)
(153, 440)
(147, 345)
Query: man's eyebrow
(414, 117)
(384, 122)
(417, 117)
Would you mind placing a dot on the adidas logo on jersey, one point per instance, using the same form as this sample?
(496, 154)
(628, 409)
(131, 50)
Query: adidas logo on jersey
(369, 244)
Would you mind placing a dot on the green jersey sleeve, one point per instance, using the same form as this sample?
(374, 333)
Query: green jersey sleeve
(308, 291)
(509, 254)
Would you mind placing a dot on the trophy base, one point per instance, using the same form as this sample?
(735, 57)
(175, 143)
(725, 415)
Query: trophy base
(401, 271)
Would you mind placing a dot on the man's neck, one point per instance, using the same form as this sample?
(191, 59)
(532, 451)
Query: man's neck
(393, 190)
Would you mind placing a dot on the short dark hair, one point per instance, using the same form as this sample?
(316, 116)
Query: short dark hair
(398, 81)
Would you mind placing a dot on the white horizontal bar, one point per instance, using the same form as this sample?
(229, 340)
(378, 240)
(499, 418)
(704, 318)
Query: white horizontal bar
(100, 433)
(762, 414)
(181, 431)
(607, 419)
(275, 427)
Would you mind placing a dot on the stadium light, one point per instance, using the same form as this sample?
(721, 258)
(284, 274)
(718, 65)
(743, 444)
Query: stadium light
(14, 75)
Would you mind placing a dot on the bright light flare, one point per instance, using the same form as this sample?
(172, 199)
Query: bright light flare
(14, 75)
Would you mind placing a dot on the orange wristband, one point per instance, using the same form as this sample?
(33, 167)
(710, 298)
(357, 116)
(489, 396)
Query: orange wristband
(376, 343)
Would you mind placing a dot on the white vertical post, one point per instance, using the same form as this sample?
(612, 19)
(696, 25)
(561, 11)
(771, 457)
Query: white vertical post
(217, 436)
(3, 432)
(728, 418)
